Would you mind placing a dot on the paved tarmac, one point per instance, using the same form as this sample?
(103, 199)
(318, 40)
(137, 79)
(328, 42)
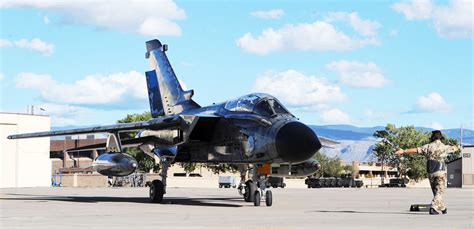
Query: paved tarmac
(223, 208)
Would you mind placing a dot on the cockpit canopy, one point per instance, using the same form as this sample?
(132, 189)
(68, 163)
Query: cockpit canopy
(261, 104)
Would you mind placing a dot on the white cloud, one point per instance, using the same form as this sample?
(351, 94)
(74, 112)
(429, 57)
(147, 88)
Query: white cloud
(436, 126)
(145, 17)
(316, 36)
(1, 76)
(415, 10)
(269, 14)
(452, 21)
(371, 114)
(358, 74)
(363, 27)
(36, 45)
(335, 116)
(5, 43)
(432, 102)
(296, 89)
(46, 20)
(92, 89)
(62, 115)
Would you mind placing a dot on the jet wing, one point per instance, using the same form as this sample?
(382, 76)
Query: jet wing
(131, 142)
(152, 124)
(328, 141)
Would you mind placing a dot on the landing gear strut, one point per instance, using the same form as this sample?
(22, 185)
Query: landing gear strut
(255, 190)
(261, 193)
(158, 187)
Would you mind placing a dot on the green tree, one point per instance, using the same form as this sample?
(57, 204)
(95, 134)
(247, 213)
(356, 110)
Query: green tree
(330, 167)
(403, 137)
(190, 167)
(222, 168)
(145, 162)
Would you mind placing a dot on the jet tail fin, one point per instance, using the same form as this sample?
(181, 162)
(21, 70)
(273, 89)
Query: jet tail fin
(173, 98)
(156, 106)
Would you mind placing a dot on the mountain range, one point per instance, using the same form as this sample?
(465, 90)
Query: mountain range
(356, 143)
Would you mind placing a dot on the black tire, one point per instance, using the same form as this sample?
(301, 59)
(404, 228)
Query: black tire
(268, 198)
(256, 201)
(283, 186)
(220, 186)
(249, 191)
(157, 190)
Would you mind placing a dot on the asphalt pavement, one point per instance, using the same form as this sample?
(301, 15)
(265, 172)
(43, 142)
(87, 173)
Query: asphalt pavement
(224, 208)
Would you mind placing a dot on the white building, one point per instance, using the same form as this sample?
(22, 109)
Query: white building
(24, 162)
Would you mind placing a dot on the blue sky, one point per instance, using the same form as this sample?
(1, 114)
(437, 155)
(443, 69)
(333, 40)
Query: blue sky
(329, 62)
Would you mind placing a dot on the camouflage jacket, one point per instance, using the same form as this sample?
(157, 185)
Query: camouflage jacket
(436, 150)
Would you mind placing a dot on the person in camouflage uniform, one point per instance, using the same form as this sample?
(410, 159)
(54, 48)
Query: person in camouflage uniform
(436, 153)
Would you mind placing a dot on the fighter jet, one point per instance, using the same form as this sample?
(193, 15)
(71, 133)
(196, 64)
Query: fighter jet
(254, 131)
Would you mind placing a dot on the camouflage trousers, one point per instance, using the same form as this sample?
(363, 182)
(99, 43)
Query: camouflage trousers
(438, 185)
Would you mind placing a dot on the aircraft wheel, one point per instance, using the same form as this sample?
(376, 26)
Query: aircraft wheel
(249, 191)
(256, 201)
(157, 190)
(269, 198)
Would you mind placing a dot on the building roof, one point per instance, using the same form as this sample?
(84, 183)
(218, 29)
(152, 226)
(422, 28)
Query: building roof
(13, 113)
(454, 160)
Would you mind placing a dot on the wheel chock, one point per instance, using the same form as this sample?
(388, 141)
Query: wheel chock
(420, 207)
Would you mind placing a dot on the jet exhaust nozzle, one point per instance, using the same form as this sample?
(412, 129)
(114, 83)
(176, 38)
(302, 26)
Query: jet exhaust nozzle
(115, 164)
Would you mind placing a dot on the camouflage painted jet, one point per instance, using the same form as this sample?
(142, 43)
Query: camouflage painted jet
(254, 131)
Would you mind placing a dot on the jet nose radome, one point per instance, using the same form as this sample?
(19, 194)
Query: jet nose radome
(296, 142)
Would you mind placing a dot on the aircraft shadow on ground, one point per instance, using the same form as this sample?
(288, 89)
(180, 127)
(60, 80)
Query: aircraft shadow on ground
(205, 202)
(368, 212)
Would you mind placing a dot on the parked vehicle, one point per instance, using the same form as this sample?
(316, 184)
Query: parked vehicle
(329, 182)
(396, 183)
(276, 182)
(227, 182)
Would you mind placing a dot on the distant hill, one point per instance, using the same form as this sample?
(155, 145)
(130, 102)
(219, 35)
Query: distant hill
(348, 132)
(356, 143)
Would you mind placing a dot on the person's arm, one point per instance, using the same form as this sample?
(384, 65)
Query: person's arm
(406, 151)
(454, 148)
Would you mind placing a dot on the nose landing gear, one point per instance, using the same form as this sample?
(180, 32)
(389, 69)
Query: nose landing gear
(261, 194)
(256, 191)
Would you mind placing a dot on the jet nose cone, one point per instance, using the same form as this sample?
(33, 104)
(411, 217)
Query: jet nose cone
(296, 142)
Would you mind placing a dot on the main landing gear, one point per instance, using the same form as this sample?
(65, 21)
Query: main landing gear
(256, 191)
(158, 187)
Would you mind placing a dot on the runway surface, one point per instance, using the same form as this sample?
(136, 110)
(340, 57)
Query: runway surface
(223, 208)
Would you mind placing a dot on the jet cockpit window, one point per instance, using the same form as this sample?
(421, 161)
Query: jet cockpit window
(269, 107)
(277, 107)
(263, 108)
(243, 104)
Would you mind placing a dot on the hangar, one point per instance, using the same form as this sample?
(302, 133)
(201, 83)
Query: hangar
(24, 162)
(461, 171)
